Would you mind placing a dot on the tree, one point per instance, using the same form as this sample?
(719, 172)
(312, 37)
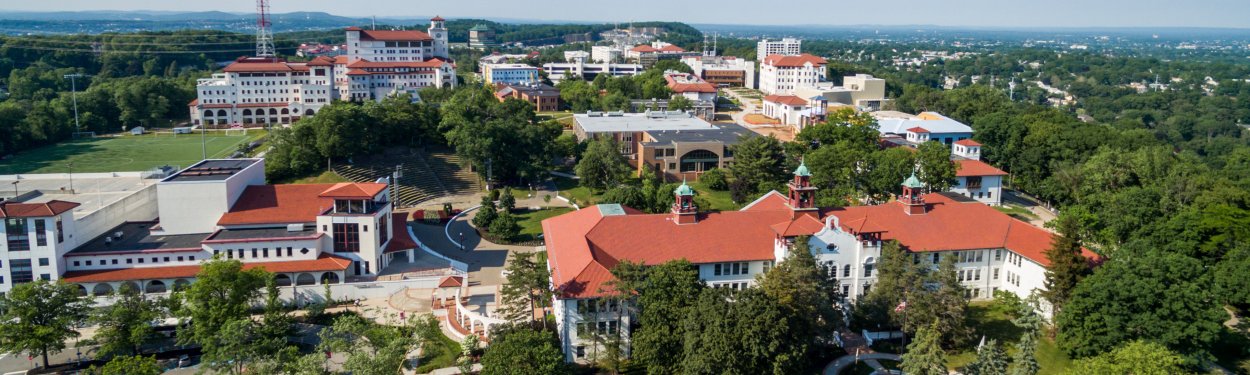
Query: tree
(1067, 265)
(758, 163)
(808, 297)
(991, 360)
(1142, 294)
(602, 165)
(680, 103)
(505, 226)
(507, 201)
(486, 214)
(924, 355)
(945, 305)
(219, 302)
(739, 332)
(664, 300)
(898, 279)
(528, 286)
(1136, 357)
(371, 348)
(937, 171)
(1230, 276)
(714, 179)
(128, 365)
(37, 317)
(125, 325)
(523, 351)
(1025, 360)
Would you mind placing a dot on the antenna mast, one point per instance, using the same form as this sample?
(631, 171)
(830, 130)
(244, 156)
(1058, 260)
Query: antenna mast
(264, 37)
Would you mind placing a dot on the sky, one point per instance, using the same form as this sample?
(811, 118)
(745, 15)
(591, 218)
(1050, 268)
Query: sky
(974, 13)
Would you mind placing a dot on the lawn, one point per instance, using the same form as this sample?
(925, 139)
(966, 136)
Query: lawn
(1017, 212)
(442, 354)
(708, 199)
(125, 153)
(327, 177)
(531, 221)
(993, 324)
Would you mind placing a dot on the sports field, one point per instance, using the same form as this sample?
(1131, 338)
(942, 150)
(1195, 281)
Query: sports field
(125, 153)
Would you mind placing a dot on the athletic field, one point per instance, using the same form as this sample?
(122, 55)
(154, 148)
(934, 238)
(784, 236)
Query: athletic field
(125, 153)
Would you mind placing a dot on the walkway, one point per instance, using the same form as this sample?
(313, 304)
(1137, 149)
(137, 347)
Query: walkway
(838, 365)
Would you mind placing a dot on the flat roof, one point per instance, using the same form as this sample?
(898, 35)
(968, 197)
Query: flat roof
(137, 237)
(261, 233)
(211, 170)
(725, 133)
(600, 122)
(90, 190)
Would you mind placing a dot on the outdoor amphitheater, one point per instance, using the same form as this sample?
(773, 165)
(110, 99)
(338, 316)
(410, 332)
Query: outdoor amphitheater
(425, 175)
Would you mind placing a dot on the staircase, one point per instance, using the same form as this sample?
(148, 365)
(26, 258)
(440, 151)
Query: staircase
(425, 175)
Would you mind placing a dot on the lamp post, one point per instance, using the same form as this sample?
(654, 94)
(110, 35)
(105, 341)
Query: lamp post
(73, 86)
(15, 189)
(71, 177)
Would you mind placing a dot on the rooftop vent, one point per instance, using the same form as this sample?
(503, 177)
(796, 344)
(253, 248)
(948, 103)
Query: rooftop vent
(295, 227)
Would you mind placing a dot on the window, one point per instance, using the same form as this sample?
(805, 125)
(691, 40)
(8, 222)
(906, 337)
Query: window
(996, 273)
(980, 255)
(846, 271)
(346, 238)
(192, 257)
(179, 259)
(43, 262)
(846, 289)
(937, 258)
(60, 236)
(88, 262)
(41, 233)
(45, 277)
(114, 261)
(140, 260)
(867, 270)
(978, 275)
(998, 254)
(768, 265)
(76, 263)
(129, 261)
(15, 232)
(973, 182)
(20, 271)
(254, 252)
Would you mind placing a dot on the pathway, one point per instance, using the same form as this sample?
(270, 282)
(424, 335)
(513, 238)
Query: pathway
(838, 365)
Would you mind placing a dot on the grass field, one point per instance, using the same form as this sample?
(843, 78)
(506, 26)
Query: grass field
(124, 153)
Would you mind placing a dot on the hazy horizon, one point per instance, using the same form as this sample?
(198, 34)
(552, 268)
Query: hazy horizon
(952, 13)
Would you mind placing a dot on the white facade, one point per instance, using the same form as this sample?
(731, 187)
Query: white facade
(785, 46)
(515, 74)
(604, 54)
(31, 247)
(557, 71)
(710, 67)
(783, 75)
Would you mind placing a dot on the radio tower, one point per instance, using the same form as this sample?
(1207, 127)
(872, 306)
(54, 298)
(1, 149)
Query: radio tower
(264, 37)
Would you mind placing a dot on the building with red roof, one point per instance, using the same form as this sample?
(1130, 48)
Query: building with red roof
(690, 86)
(219, 208)
(783, 74)
(992, 250)
(648, 54)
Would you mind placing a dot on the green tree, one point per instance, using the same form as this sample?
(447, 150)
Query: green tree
(371, 348)
(1024, 362)
(680, 103)
(128, 365)
(1142, 294)
(505, 226)
(714, 179)
(219, 302)
(924, 355)
(125, 325)
(507, 201)
(945, 305)
(486, 213)
(937, 171)
(759, 162)
(523, 351)
(807, 295)
(39, 316)
(527, 288)
(1135, 357)
(602, 165)
(1231, 283)
(1067, 265)
(739, 332)
(664, 299)
(898, 279)
(991, 360)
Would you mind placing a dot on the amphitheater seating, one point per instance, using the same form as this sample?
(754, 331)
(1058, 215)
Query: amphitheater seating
(426, 175)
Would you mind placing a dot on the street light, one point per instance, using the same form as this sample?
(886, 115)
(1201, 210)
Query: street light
(71, 177)
(73, 86)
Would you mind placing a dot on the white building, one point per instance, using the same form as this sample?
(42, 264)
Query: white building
(861, 90)
(257, 90)
(516, 74)
(974, 178)
(789, 109)
(690, 86)
(576, 55)
(924, 127)
(304, 233)
(578, 69)
(783, 74)
(993, 251)
(604, 54)
(784, 47)
(723, 70)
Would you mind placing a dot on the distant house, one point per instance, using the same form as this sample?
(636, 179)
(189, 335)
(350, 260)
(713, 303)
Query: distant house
(544, 97)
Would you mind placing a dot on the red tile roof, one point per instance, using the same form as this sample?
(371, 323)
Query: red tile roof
(451, 282)
(967, 142)
(321, 61)
(324, 262)
(341, 59)
(437, 18)
(803, 225)
(360, 190)
(918, 129)
(257, 64)
(401, 240)
(789, 100)
(393, 35)
(771, 201)
(693, 84)
(643, 48)
(46, 209)
(278, 204)
(671, 48)
(794, 61)
(949, 225)
(194, 102)
(967, 168)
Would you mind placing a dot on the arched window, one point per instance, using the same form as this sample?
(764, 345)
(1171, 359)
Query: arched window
(247, 112)
(155, 286)
(102, 289)
(305, 279)
(308, 112)
(273, 112)
(868, 265)
(208, 113)
(846, 271)
(286, 111)
(699, 161)
(282, 279)
(221, 113)
(329, 278)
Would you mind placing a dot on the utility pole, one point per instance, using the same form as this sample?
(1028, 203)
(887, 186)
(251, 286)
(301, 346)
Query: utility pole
(264, 37)
(203, 142)
(73, 87)
(71, 177)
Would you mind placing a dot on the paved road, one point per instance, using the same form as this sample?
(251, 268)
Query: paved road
(838, 365)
